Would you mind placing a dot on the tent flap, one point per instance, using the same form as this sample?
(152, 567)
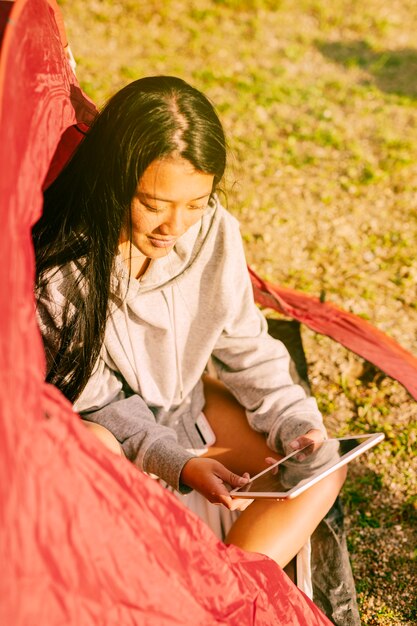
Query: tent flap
(351, 331)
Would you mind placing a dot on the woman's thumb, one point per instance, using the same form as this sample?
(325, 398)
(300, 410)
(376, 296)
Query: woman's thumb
(235, 480)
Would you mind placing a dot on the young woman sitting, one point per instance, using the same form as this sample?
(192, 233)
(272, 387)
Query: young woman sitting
(141, 280)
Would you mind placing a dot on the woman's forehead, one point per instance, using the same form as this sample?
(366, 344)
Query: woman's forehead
(173, 179)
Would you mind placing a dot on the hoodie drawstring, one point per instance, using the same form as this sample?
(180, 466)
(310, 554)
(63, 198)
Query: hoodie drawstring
(171, 311)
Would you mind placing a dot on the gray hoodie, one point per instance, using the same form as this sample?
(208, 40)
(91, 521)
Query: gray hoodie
(193, 304)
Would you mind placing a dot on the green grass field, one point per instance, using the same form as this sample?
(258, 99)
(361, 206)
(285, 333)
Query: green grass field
(319, 100)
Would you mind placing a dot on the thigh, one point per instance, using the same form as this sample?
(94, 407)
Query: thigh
(105, 436)
(280, 528)
(275, 528)
(237, 446)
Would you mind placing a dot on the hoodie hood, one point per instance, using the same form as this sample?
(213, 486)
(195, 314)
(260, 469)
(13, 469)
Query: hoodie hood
(166, 270)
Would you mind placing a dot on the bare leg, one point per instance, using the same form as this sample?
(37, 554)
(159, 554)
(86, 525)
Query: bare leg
(278, 528)
(105, 436)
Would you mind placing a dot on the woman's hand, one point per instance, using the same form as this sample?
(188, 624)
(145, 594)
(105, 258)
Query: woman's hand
(313, 436)
(208, 477)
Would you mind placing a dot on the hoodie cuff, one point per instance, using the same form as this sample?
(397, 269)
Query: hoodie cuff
(166, 459)
(295, 427)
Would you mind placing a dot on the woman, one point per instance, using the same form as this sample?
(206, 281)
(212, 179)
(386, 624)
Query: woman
(141, 279)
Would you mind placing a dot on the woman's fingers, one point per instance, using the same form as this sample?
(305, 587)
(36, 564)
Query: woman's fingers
(209, 477)
(240, 504)
(234, 480)
(271, 461)
(313, 436)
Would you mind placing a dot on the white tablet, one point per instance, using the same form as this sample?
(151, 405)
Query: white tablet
(301, 469)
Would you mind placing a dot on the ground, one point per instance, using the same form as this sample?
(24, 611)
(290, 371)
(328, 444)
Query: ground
(319, 103)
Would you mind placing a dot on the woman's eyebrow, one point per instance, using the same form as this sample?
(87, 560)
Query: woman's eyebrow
(149, 196)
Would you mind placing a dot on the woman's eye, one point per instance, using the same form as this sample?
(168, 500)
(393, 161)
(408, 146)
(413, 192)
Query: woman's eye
(154, 209)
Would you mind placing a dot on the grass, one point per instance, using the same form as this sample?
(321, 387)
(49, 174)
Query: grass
(319, 103)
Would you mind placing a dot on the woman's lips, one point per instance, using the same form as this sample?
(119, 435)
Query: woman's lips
(162, 243)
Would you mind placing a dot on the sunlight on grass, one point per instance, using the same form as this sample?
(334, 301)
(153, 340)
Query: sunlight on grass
(319, 103)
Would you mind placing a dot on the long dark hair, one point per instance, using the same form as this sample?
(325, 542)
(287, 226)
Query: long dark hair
(87, 206)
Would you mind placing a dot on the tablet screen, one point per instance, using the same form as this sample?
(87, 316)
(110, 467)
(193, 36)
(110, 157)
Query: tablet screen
(300, 469)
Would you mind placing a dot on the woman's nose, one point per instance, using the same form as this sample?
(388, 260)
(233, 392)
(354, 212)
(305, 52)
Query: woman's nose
(175, 223)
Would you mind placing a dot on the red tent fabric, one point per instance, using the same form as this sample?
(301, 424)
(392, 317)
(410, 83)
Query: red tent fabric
(350, 330)
(85, 537)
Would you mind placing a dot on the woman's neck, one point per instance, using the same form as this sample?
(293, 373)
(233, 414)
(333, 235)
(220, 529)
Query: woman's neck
(136, 262)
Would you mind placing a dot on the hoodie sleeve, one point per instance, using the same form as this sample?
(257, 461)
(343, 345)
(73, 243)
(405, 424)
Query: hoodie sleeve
(150, 446)
(255, 366)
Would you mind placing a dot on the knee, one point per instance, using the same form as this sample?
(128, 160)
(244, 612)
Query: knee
(335, 481)
(105, 436)
(341, 475)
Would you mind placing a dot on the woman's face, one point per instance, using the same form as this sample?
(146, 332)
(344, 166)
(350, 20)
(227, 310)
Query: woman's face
(171, 196)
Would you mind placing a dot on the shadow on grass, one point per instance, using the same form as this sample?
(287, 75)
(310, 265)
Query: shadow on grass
(392, 71)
